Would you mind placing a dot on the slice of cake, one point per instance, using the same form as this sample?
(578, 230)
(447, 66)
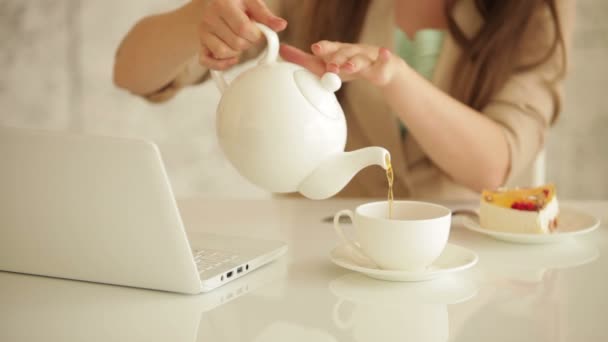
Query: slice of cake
(525, 210)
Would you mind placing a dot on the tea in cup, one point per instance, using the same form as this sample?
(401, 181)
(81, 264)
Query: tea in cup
(411, 240)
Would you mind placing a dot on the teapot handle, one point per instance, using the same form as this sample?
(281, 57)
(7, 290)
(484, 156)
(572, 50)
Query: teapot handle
(272, 52)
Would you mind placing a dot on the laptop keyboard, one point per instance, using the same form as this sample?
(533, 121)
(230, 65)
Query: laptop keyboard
(208, 259)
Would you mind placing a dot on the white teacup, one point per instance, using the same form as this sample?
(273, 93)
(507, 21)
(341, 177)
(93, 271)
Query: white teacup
(411, 240)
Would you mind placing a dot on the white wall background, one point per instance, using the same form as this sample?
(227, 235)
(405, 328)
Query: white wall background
(577, 150)
(55, 73)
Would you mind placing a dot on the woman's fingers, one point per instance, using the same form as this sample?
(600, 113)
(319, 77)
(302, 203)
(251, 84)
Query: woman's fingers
(233, 40)
(381, 70)
(349, 61)
(205, 58)
(218, 26)
(226, 30)
(335, 55)
(338, 55)
(342, 55)
(259, 12)
(218, 48)
(356, 63)
(239, 23)
(294, 55)
(325, 48)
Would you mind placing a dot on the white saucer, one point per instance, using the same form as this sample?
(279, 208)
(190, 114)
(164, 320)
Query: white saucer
(454, 258)
(571, 222)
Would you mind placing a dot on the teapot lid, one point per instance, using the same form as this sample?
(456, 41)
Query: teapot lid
(320, 92)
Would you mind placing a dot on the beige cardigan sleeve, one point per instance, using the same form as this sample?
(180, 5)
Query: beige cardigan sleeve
(529, 102)
(193, 73)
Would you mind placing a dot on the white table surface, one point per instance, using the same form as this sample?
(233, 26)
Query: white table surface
(515, 292)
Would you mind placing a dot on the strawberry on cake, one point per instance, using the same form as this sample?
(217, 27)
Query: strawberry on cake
(520, 210)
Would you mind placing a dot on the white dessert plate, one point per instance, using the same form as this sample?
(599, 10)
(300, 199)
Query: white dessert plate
(571, 222)
(453, 258)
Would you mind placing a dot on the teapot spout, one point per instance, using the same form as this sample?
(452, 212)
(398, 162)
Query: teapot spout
(337, 170)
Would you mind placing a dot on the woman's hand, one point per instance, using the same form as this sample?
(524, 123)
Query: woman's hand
(350, 61)
(227, 29)
(474, 138)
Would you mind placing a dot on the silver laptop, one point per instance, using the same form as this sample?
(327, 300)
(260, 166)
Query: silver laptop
(101, 209)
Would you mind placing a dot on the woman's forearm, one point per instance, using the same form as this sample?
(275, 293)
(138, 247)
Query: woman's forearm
(156, 48)
(471, 148)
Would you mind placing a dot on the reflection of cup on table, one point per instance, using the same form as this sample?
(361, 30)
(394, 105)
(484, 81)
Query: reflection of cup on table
(416, 322)
(385, 311)
(411, 240)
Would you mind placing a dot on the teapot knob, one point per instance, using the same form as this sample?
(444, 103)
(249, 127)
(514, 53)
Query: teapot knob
(331, 82)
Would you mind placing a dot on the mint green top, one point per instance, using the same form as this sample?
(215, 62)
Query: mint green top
(421, 53)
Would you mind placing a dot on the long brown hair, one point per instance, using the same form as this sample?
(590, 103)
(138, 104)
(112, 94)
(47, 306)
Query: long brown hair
(489, 57)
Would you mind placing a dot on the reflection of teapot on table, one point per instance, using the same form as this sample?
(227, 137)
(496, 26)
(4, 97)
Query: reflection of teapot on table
(283, 129)
(387, 311)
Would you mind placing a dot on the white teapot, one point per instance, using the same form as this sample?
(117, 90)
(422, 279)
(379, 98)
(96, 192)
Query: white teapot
(283, 129)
